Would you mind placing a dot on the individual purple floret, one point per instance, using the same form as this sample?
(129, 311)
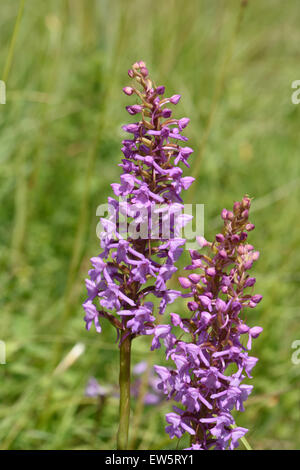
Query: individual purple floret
(213, 338)
(151, 182)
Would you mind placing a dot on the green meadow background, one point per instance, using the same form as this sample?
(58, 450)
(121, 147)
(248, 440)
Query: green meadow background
(65, 63)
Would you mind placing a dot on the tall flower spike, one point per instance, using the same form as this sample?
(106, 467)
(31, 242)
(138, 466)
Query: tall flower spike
(200, 380)
(151, 182)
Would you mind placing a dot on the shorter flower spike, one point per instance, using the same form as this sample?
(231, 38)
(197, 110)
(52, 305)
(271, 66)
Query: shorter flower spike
(200, 380)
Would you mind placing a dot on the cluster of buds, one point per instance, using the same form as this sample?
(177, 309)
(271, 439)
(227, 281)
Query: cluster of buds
(151, 183)
(201, 380)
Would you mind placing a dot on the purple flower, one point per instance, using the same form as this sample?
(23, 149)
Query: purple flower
(199, 380)
(91, 315)
(159, 332)
(151, 181)
(178, 425)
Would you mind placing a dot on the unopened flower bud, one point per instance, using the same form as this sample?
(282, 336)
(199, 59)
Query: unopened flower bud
(184, 282)
(246, 202)
(201, 241)
(211, 272)
(205, 317)
(243, 236)
(220, 238)
(144, 71)
(223, 254)
(243, 328)
(174, 99)
(160, 90)
(224, 214)
(166, 113)
(128, 90)
(192, 306)
(250, 282)
(136, 108)
(236, 207)
(256, 298)
(195, 278)
(182, 123)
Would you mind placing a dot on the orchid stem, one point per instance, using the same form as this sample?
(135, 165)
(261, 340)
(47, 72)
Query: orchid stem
(124, 380)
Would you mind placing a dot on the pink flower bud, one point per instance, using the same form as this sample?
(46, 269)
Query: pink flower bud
(243, 328)
(192, 306)
(223, 254)
(205, 317)
(241, 250)
(144, 71)
(128, 90)
(236, 207)
(256, 298)
(136, 108)
(184, 282)
(201, 242)
(220, 237)
(255, 331)
(224, 214)
(160, 90)
(195, 278)
(243, 236)
(248, 264)
(221, 305)
(246, 202)
(166, 113)
(250, 282)
(174, 99)
(211, 272)
(182, 123)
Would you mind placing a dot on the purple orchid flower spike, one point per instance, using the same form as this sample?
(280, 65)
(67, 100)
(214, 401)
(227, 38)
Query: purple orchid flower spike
(148, 194)
(200, 381)
(141, 241)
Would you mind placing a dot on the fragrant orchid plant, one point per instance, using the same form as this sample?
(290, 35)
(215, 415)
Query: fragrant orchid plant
(134, 263)
(151, 182)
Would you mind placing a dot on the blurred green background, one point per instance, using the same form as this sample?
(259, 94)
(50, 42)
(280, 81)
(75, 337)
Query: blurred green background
(65, 63)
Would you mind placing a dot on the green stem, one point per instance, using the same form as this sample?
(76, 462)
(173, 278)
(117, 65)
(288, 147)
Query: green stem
(124, 380)
(10, 55)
